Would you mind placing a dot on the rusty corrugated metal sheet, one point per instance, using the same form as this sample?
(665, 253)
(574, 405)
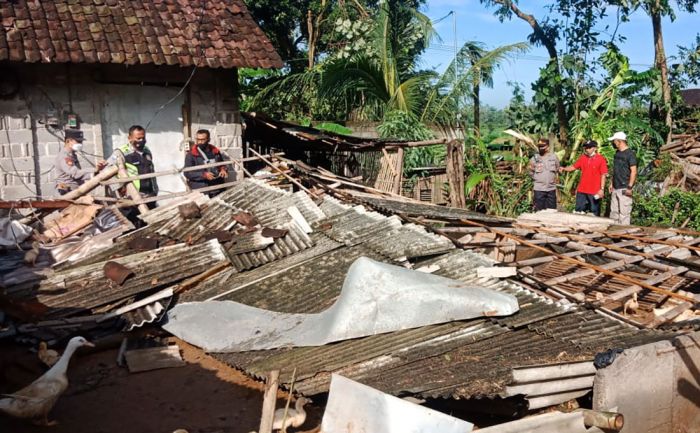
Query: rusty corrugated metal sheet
(81, 289)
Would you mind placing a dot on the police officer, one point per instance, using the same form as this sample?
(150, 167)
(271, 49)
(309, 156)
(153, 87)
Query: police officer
(138, 160)
(543, 169)
(69, 174)
(202, 152)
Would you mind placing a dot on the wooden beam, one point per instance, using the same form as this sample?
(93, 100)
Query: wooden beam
(653, 241)
(35, 204)
(656, 279)
(183, 170)
(288, 177)
(269, 402)
(127, 203)
(91, 184)
(455, 173)
(588, 265)
(586, 272)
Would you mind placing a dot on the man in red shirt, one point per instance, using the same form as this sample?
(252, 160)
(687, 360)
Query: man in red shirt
(593, 168)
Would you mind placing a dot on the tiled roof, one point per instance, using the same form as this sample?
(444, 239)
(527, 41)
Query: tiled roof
(214, 33)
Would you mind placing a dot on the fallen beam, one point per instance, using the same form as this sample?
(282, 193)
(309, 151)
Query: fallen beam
(35, 204)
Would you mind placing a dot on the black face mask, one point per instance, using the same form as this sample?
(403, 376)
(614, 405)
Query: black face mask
(139, 144)
(542, 151)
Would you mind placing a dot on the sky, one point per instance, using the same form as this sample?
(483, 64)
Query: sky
(476, 22)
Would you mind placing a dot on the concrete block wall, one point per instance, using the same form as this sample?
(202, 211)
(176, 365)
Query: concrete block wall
(215, 107)
(26, 140)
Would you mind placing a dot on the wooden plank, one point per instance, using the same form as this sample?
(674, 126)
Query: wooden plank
(670, 314)
(153, 358)
(586, 272)
(269, 402)
(653, 241)
(656, 279)
(588, 265)
(35, 204)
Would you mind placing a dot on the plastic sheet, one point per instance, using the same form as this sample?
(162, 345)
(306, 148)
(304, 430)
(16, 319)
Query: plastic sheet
(376, 298)
(356, 408)
(13, 232)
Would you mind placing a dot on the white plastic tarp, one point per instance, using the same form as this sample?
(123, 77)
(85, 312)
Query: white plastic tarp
(13, 232)
(375, 298)
(356, 408)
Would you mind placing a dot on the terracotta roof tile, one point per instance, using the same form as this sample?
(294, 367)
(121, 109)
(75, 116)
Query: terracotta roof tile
(124, 31)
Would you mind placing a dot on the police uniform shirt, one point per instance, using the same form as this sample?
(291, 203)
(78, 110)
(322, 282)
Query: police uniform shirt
(69, 175)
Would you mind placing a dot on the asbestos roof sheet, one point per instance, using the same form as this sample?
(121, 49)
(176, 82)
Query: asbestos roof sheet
(460, 359)
(425, 210)
(213, 34)
(81, 289)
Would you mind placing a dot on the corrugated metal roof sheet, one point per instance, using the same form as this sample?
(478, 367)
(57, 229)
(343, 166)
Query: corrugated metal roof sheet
(83, 288)
(427, 210)
(460, 359)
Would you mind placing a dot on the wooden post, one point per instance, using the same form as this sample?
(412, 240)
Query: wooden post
(91, 184)
(399, 178)
(131, 190)
(455, 173)
(269, 402)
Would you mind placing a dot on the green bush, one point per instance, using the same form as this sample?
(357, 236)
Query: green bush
(653, 209)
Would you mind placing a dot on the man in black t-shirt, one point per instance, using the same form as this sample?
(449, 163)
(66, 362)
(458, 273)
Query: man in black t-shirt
(623, 179)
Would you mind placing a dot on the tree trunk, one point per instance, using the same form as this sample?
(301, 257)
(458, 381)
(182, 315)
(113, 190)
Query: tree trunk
(312, 38)
(550, 45)
(477, 113)
(455, 173)
(660, 64)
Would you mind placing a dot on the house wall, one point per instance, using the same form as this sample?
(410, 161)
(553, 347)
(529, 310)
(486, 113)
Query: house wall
(104, 97)
(656, 386)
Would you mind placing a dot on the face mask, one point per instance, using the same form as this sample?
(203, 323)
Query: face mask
(77, 147)
(542, 151)
(139, 143)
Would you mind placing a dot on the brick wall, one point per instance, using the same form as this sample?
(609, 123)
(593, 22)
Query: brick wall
(28, 147)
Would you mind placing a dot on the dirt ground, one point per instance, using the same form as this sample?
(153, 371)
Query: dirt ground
(205, 396)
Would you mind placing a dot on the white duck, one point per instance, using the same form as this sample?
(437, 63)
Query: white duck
(37, 399)
(295, 417)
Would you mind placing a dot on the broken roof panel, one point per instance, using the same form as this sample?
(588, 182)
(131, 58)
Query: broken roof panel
(424, 210)
(374, 299)
(84, 288)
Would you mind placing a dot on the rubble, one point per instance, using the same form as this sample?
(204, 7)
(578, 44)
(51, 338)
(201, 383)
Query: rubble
(265, 247)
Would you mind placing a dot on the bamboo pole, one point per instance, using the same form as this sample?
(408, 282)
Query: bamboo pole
(91, 184)
(622, 277)
(182, 170)
(269, 402)
(130, 187)
(127, 203)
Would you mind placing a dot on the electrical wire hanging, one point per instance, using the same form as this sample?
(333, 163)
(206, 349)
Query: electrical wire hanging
(194, 68)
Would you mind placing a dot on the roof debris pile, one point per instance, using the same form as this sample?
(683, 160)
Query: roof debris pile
(684, 150)
(290, 259)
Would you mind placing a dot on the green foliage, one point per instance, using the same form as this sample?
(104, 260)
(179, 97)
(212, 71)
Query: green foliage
(672, 209)
(489, 191)
(333, 127)
(402, 125)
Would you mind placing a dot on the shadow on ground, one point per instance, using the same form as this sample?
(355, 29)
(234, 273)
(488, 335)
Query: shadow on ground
(205, 396)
